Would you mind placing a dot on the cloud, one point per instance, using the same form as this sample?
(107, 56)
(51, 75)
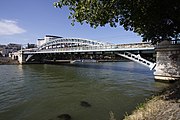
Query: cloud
(10, 27)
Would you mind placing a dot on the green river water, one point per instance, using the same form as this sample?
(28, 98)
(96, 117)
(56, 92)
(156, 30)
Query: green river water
(43, 91)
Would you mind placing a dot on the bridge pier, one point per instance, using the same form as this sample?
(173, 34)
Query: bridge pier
(167, 62)
(21, 58)
(18, 56)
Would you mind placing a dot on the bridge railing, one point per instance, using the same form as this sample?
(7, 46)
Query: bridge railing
(135, 45)
(106, 47)
(175, 41)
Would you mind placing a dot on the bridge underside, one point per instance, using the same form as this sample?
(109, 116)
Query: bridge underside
(72, 56)
(73, 49)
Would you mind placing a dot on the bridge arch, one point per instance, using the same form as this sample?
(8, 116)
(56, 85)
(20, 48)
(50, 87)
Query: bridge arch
(70, 42)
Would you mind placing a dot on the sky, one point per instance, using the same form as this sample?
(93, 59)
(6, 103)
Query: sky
(25, 21)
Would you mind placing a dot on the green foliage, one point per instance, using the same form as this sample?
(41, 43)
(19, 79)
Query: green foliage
(154, 20)
(140, 106)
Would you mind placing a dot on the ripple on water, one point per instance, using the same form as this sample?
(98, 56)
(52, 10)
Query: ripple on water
(38, 92)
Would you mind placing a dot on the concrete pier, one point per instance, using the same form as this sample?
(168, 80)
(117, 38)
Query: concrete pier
(167, 61)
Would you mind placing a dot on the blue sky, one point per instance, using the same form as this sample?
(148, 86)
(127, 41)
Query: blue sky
(24, 21)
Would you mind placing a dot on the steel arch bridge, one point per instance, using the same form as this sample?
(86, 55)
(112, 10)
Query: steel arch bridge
(76, 46)
(69, 43)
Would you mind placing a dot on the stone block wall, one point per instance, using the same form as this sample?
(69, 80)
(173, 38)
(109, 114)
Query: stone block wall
(167, 61)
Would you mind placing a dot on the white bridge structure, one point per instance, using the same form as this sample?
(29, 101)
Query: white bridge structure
(73, 46)
(138, 59)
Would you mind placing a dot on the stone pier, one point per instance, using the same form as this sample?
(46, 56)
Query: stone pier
(167, 61)
(19, 56)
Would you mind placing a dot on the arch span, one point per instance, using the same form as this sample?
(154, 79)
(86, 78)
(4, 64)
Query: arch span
(70, 42)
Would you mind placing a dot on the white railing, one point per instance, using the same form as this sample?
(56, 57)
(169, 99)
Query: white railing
(112, 47)
(175, 41)
(28, 57)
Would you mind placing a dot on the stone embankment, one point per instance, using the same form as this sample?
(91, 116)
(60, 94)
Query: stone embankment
(8, 61)
(165, 106)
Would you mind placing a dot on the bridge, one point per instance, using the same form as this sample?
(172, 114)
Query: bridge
(77, 49)
(164, 58)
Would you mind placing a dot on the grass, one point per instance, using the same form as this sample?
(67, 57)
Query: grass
(163, 106)
(144, 110)
(112, 117)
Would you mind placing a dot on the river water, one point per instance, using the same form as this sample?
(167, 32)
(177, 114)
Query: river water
(43, 92)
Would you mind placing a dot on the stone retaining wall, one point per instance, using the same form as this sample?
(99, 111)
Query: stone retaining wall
(167, 61)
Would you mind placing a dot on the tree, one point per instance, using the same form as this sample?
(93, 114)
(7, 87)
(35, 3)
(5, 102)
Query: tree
(154, 20)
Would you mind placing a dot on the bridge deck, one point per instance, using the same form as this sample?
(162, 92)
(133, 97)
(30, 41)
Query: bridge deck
(89, 49)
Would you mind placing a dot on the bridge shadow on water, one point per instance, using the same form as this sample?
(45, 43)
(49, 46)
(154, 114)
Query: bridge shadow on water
(131, 67)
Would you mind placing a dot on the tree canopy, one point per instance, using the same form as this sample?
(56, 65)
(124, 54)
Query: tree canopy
(154, 20)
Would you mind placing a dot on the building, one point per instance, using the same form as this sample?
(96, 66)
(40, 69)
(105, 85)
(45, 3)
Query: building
(31, 46)
(46, 39)
(14, 47)
(1, 49)
(11, 47)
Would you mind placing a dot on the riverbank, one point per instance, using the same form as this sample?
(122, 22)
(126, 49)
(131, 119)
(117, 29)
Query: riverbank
(164, 106)
(8, 61)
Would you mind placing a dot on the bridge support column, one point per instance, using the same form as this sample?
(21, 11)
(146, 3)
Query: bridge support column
(21, 58)
(167, 62)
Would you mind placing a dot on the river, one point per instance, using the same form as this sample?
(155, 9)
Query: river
(44, 91)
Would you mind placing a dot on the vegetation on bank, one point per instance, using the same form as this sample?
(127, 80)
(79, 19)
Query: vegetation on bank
(165, 106)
